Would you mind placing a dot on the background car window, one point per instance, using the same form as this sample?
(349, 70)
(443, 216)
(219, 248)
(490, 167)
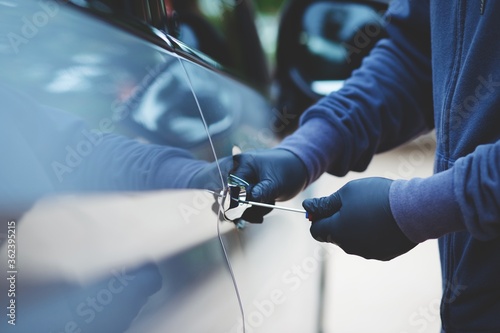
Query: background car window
(320, 43)
(222, 29)
(226, 31)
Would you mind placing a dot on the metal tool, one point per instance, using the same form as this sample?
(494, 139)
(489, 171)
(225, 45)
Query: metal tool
(253, 203)
(237, 182)
(236, 193)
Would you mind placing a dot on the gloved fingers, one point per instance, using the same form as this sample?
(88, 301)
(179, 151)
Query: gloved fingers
(323, 207)
(260, 190)
(255, 214)
(323, 230)
(243, 167)
(264, 191)
(330, 230)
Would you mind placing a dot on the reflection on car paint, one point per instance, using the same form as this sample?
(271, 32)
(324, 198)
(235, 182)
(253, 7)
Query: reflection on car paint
(100, 71)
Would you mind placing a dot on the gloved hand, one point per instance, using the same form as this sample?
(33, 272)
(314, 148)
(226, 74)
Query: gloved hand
(274, 174)
(358, 218)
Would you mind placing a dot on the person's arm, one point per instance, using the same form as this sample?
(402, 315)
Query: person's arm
(385, 103)
(467, 196)
(378, 218)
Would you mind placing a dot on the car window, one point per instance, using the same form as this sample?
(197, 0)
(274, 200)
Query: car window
(73, 58)
(236, 115)
(238, 119)
(226, 31)
(140, 89)
(222, 29)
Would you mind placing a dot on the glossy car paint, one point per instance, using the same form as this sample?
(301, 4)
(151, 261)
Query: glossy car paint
(148, 261)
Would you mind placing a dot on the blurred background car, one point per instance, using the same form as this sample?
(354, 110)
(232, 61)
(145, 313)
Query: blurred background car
(319, 44)
(293, 51)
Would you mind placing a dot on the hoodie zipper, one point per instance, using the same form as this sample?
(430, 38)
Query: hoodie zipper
(445, 134)
(457, 64)
(481, 8)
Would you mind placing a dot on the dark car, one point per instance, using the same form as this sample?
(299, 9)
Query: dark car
(320, 43)
(149, 261)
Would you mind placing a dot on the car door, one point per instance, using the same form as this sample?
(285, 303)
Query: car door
(151, 261)
(276, 264)
(111, 261)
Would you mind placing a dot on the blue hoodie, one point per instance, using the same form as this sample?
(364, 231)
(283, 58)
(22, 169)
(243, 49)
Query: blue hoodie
(439, 68)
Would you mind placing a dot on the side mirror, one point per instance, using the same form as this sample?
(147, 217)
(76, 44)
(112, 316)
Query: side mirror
(320, 43)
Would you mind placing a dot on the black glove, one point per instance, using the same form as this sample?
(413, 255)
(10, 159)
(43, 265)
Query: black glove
(274, 174)
(207, 177)
(358, 218)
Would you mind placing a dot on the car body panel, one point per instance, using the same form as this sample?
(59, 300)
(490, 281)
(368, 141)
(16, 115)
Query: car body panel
(78, 254)
(122, 262)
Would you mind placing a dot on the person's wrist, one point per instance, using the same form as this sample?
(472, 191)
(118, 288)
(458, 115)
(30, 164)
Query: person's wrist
(425, 208)
(298, 165)
(318, 145)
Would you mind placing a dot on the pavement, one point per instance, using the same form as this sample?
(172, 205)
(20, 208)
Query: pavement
(399, 296)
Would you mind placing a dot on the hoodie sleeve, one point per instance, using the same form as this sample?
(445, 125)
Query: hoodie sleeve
(386, 102)
(466, 196)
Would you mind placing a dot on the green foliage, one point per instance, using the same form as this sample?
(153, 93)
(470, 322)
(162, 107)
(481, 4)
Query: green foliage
(268, 6)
